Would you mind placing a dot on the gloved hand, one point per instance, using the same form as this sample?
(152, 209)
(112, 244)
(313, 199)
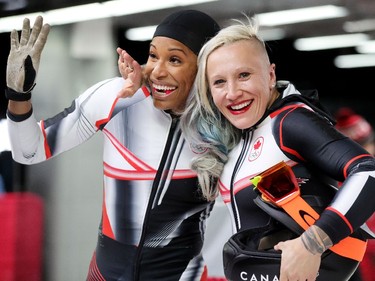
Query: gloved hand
(24, 58)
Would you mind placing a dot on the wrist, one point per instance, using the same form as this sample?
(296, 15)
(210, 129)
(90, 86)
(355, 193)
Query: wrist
(13, 95)
(315, 240)
(19, 108)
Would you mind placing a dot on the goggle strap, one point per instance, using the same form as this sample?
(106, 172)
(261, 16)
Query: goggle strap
(305, 216)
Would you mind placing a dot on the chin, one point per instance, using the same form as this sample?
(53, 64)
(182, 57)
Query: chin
(240, 126)
(162, 105)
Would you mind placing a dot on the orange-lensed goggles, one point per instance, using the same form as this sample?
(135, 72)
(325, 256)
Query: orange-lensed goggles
(279, 186)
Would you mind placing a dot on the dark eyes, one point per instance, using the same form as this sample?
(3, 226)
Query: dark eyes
(244, 74)
(219, 81)
(171, 59)
(175, 60)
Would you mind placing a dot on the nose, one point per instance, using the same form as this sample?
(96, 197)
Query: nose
(159, 70)
(233, 90)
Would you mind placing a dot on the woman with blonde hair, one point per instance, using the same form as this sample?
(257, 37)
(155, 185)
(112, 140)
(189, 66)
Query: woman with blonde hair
(276, 157)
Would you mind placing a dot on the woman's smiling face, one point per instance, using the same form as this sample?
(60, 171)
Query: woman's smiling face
(170, 70)
(241, 80)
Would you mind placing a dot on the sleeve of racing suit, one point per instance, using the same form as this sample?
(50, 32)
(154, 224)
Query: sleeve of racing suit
(335, 155)
(33, 141)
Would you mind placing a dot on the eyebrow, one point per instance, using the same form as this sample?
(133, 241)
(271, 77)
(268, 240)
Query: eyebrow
(172, 49)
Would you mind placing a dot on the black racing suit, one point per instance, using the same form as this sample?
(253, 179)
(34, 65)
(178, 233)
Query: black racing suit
(296, 130)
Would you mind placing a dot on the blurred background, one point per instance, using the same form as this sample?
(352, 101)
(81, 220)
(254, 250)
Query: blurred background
(326, 45)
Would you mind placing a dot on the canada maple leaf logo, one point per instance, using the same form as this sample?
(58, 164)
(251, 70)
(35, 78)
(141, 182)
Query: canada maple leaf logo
(256, 149)
(257, 145)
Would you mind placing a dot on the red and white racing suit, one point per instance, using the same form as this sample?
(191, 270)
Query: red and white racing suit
(298, 132)
(153, 215)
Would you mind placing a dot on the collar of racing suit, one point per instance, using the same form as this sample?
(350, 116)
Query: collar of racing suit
(290, 94)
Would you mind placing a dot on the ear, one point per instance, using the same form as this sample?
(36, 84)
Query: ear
(272, 73)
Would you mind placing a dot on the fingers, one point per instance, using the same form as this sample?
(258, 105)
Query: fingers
(41, 39)
(125, 58)
(130, 67)
(36, 30)
(126, 63)
(120, 60)
(14, 40)
(133, 81)
(278, 246)
(37, 38)
(296, 262)
(25, 34)
(135, 66)
(119, 51)
(39, 35)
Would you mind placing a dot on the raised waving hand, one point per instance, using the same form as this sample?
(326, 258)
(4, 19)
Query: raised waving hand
(24, 58)
(131, 71)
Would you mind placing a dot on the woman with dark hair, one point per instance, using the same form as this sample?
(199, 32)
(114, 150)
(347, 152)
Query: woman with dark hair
(153, 215)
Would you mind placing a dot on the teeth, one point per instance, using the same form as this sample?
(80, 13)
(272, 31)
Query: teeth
(240, 106)
(163, 88)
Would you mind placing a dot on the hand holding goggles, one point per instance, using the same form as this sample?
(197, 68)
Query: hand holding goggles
(278, 185)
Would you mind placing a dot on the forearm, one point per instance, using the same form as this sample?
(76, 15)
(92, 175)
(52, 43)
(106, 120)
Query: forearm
(350, 208)
(26, 139)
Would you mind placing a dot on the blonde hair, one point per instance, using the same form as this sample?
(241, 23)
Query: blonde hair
(202, 123)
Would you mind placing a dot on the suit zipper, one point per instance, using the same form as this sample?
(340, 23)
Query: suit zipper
(247, 136)
(154, 189)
